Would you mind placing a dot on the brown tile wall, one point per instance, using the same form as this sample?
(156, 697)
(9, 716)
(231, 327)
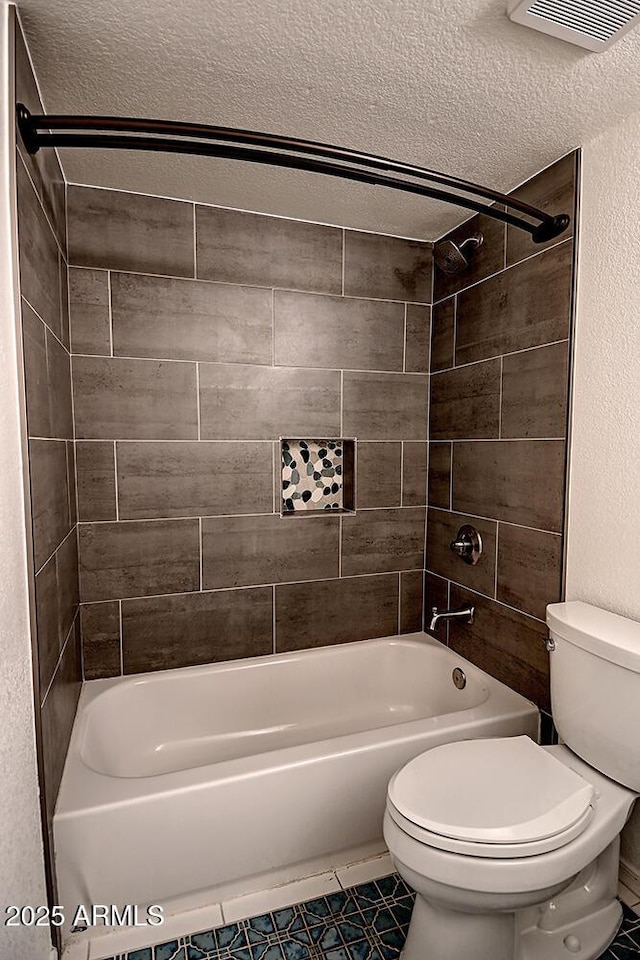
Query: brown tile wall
(499, 382)
(51, 457)
(189, 361)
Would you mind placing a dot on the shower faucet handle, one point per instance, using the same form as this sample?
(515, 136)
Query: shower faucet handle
(467, 544)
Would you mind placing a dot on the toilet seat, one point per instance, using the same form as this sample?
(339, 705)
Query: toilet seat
(475, 798)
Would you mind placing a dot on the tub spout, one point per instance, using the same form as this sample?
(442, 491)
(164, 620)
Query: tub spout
(466, 614)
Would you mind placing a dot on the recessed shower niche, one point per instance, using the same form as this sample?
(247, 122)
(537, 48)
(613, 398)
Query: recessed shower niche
(317, 475)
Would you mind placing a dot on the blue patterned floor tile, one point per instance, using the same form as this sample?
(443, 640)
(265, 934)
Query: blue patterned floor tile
(325, 937)
(339, 954)
(171, 950)
(262, 924)
(293, 950)
(144, 954)
(341, 904)
(318, 908)
(366, 894)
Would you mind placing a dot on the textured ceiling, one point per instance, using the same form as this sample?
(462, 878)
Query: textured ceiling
(448, 84)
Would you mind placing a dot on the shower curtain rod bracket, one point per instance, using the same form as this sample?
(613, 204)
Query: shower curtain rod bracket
(170, 136)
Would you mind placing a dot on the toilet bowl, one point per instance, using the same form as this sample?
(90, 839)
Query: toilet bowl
(512, 848)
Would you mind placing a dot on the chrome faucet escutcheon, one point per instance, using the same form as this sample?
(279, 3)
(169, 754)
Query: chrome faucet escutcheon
(466, 614)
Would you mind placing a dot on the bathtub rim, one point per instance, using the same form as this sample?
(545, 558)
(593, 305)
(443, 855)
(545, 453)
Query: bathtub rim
(85, 790)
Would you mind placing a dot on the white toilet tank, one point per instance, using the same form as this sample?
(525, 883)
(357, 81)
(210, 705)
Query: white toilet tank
(595, 687)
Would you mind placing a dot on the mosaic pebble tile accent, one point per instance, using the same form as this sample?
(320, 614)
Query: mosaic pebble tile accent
(365, 922)
(312, 473)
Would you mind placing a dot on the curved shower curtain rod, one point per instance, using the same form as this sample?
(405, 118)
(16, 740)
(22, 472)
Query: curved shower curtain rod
(169, 136)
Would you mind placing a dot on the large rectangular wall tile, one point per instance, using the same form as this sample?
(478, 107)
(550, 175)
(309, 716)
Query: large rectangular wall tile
(440, 475)
(508, 645)
(465, 402)
(443, 318)
(49, 496)
(67, 584)
(71, 480)
(159, 633)
(47, 622)
(525, 306)
(553, 191)
(529, 568)
(411, 599)
(43, 166)
(387, 267)
(239, 551)
(534, 392)
(483, 261)
(521, 481)
(414, 474)
(134, 399)
(385, 406)
(190, 320)
(59, 388)
(96, 472)
(418, 339)
(378, 474)
(100, 628)
(89, 311)
(138, 558)
(325, 612)
(442, 528)
(182, 479)
(129, 231)
(36, 374)
(377, 541)
(269, 251)
(57, 716)
(39, 264)
(263, 403)
(338, 332)
(436, 594)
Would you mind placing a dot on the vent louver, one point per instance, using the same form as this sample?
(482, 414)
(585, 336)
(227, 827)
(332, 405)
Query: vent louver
(593, 24)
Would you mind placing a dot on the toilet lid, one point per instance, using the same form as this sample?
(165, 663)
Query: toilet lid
(498, 791)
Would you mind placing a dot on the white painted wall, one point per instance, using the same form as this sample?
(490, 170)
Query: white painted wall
(21, 857)
(603, 551)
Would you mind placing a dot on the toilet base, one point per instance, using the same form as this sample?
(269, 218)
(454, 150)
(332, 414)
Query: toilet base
(578, 921)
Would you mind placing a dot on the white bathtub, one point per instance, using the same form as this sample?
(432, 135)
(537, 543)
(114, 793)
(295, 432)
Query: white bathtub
(183, 785)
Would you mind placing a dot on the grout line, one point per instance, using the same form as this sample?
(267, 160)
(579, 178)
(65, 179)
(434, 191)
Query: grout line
(476, 516)
(273, 619)
(269, 216)
(455, 333)
(302, 514)
(404, 342)
(496, 273)
(41, 205)
(195, 246)
(110, 304)
(498, 356)
(500, 399)
(252, 286)
(240, 363)
(273, 328)
(60, 658)
(115, 470)
(42, 320)
(198, 400)
(64, 540)
(121, 639)
(501, 603)
(262, 586)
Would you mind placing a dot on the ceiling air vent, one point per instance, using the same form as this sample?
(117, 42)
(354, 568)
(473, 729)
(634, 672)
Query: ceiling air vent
(594, 24)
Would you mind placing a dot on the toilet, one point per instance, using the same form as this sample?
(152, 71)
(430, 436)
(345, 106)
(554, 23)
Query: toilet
(513, 848)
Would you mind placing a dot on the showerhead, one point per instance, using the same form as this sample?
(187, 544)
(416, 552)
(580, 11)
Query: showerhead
(449, 256)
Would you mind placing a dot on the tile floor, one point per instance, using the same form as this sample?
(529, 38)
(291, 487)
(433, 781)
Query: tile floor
(368, 921)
